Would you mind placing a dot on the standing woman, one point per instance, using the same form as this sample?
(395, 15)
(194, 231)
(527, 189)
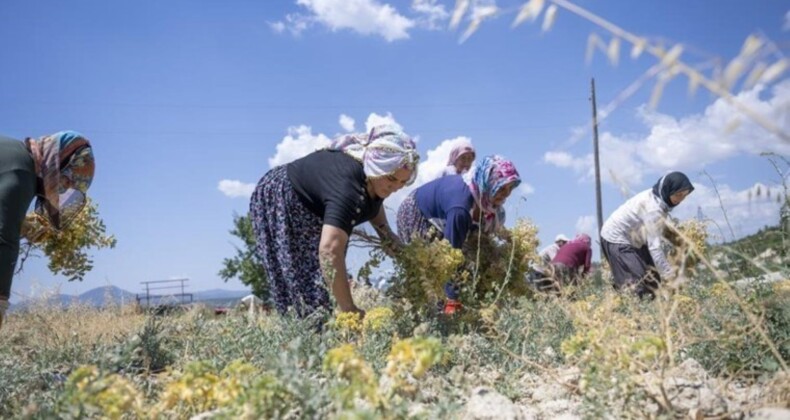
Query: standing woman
(631, 236)
(58, 169)
(303, 214)
(461, 158)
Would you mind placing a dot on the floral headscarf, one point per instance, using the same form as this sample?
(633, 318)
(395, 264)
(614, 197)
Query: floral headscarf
(462, 147)
(382, 152)
(484, 180)
(64, 154)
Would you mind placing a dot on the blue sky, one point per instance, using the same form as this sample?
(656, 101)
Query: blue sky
(189, 103)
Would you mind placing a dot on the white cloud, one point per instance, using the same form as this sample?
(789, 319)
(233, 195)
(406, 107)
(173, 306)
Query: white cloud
(786, 26)
(524, 189)
(587, 224)
(299, 142)
(346, 122)
(278, 27)
(688, 143)
(366, 17)
(234, 188)
(747, 210)
(431, 14)
(295, 23)
(566, 160)
(376, 119)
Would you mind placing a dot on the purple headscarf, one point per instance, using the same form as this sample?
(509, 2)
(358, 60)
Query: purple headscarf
(462, 147)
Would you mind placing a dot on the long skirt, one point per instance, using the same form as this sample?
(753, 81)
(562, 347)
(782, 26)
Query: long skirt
(412, 223)
(632, 268)
(288, 235)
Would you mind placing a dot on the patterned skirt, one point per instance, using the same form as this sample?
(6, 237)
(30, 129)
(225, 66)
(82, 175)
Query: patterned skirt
(287, 236)
(411, 221)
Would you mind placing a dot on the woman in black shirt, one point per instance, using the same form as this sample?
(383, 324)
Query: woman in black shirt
(303, 214)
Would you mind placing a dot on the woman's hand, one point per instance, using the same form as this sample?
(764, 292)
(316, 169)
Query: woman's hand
(357, 310)
(390, 242)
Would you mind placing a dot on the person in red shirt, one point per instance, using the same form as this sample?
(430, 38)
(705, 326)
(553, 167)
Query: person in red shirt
(572, 261)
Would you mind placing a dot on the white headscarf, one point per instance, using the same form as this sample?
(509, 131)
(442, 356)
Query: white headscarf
(382, 152)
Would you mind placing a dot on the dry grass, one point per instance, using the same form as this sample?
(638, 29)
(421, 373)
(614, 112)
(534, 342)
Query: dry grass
(43, 325)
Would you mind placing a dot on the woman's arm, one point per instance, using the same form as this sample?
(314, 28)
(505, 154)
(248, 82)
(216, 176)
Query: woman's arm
(654, 227)
(332, 255)
(389, 239)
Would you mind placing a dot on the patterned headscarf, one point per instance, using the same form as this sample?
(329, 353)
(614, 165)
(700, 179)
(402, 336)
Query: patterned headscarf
(64, 154)
(669, 184)
(484, 180)
(382, 152)
(462, 147)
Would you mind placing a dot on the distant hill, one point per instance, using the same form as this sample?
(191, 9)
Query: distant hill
(769, 237)
(113, 295)
(753, 255)
(101, 296)
(213, 294)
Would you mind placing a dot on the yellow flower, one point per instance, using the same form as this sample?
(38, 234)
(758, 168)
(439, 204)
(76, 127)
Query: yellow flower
(686, 304)
(782, 287)
(348, 321)
(414, 356)
(111, 396)
(194, 389)
(378, 319)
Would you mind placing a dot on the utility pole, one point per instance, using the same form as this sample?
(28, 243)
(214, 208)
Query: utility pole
(597, 165)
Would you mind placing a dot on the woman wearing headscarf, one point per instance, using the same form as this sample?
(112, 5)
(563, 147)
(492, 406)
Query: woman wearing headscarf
(303, 214)
(572, 261)
(454, 204)
(461, 158)
(57, 169)
(631, 236)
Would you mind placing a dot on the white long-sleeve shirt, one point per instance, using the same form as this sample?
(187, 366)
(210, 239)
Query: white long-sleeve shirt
(548, 253)
(640, 221)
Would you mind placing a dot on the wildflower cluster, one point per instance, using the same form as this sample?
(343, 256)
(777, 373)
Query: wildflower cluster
(611, 347)
(689, 239)
(357, 376)
(348, 322)
(423, 268)
(413, 357)
(500, 265)
(379, 319)
(90, 392)
(66, 249)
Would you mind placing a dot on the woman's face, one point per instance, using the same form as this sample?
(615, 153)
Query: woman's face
(678, 197)
(464, 162)
(383, 187)
(501, 196)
